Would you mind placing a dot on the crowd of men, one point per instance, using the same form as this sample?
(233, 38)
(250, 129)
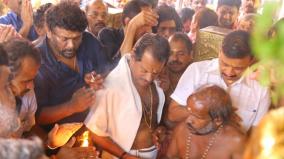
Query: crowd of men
(137, 89)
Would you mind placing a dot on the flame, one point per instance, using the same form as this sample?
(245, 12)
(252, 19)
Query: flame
(85, 138)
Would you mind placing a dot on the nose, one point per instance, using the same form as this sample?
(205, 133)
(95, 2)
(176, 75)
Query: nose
(229, 71)
(167, 33)
(149, 77)
(30, 85)
(173, 57)
(100, 18)
(70, 44)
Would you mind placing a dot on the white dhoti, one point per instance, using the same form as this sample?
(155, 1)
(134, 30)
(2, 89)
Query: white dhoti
(146, 153)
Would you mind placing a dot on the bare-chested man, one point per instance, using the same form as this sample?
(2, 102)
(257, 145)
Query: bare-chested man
(127, 111)
(208, 131)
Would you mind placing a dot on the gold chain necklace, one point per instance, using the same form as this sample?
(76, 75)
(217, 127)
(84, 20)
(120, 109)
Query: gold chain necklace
(75, 63)
(210, 144)
(146, 112)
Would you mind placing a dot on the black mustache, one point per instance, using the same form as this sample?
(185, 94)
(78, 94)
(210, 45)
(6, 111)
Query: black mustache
(175, 62)
(70, 50)
(100, 24)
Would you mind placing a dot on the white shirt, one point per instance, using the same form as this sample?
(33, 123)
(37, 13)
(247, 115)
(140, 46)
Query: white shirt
(118, 109)
(27, 112)
(248, 96)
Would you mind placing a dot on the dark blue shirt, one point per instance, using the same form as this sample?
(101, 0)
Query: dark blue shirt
(55, 82)
(111, 40)
(11, 18)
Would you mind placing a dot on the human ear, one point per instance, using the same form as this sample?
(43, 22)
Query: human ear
(218, 121)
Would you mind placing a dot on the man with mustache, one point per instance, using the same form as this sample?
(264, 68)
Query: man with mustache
(208, 131)
(180, 58)
(228, 11)
(24, 62)
(96, 12)
(69, 54)
(21, 64)
(8, 114)
(228, 71)
(123, 123)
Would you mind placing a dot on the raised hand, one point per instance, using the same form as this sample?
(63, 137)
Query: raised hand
(82, 99)
(27, 17)
(146, 17)
(7, 32)
(94, 80)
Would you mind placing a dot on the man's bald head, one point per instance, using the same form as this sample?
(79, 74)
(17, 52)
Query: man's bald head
(96, 11)
(98, 3)
(215, 99)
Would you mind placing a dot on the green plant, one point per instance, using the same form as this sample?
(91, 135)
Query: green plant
(270, 50)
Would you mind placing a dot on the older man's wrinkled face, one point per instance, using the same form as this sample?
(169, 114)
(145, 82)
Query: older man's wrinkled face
(24, 78)
(8, 114)
(198, 121)
(6, 96)
(97, 16)
(227, 16)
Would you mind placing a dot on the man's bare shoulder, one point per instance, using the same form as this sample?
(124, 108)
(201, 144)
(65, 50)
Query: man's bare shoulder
(180, 129)
(232, 134)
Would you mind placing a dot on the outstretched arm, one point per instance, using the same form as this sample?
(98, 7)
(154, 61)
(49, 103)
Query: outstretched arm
(147, 17)
(108, 145)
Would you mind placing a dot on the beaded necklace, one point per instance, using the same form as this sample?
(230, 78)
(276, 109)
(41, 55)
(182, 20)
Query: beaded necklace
(210, 144)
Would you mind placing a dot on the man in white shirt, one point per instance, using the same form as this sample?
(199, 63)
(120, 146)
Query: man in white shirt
(127, 111)
(248, 96)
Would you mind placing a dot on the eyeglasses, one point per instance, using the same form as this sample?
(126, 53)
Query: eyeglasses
(94, 15)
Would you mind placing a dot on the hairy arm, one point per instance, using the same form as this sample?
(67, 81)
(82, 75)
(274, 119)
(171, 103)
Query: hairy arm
(146, 17)
(81, 100)
(52, 114)
(107, 144)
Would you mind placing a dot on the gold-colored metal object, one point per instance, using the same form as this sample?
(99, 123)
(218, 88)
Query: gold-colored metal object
(209, 42)
(267, 139)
